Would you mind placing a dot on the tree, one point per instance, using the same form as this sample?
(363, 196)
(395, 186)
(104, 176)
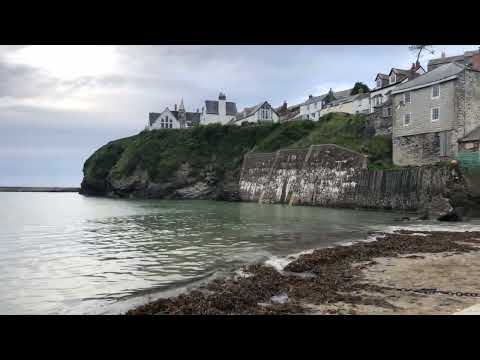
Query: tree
(330, 97)
(420, 48)
(359, 87)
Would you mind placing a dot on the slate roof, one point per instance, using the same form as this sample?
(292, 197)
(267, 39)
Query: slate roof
(438, 74)
(450, 59)
(337, 94)
(472, 135)
(248, 111)
(349, 99)
(192, 117)
(152, 117)
(211, 107)
(382, 76)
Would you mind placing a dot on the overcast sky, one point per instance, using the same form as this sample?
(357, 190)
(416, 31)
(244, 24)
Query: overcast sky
(58, 104)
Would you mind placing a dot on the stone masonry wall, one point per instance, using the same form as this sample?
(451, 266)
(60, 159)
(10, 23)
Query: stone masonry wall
(331, 176)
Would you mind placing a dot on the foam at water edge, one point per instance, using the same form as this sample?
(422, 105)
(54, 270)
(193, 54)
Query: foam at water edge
(280, 262)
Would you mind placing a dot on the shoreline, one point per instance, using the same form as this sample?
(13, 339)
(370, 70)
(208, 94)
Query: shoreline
(384, 274)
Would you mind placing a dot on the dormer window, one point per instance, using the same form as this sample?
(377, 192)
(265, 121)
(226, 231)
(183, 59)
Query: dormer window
(393, 78)
(379, 83)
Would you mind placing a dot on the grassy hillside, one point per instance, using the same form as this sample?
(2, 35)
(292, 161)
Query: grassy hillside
(220, 149)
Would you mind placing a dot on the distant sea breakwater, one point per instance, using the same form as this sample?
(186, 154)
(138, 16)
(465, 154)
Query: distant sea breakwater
(329, 175)
(38, 189)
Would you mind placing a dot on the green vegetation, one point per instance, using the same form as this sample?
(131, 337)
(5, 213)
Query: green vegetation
(160, 153)
(359, 86)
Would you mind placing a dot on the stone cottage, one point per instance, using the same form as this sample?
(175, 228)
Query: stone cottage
(173, 119)
(381, 110)
(434, 112)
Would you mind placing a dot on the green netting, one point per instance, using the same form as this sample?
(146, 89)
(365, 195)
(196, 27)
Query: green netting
(469, 160)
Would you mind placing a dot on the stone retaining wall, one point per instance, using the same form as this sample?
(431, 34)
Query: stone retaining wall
(329, 175)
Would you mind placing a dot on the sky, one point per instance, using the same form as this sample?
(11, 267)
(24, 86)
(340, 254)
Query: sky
(59, 103)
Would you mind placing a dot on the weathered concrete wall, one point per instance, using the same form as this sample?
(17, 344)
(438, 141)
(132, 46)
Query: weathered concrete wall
(328, 175)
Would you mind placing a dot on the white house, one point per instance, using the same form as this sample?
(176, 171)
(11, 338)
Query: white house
(385, 84)
(310, 109)
(262, 112)
(173, 119)
(218, 111)
(353, 104)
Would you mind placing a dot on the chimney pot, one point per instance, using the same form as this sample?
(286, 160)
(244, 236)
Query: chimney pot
(175, 107)
(310, 96)
(443, 54)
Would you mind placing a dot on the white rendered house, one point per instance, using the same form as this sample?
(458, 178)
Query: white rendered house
(173, 119)
(262, 112)
(218, 111)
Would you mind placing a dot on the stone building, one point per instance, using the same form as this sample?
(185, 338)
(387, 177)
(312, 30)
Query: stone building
(173, 119)
(381, 111)
(434, 112)
(218, 111)
(259, 113)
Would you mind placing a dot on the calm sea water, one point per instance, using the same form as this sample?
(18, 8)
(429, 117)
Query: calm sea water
(69, 254)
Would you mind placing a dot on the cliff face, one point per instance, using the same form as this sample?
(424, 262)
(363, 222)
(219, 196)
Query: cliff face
(205, 162)
(198, 163)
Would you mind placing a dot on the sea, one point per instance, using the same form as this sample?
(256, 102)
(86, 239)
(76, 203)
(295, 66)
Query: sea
(65, 253)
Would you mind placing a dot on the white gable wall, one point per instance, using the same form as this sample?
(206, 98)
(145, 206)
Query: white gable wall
(166, 116)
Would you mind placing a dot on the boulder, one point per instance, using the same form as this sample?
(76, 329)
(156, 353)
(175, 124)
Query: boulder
(437, 207)
(455, 215)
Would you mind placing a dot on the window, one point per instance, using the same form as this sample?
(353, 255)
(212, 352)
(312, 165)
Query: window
(171, 125)
(435, 114)
(378, 100)
(379, 83)
(435, 91)
(407, 99)
(387, 111)
(393, 78)
(407, 117)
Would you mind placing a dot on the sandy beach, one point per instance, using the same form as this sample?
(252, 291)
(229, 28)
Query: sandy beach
(386, 276)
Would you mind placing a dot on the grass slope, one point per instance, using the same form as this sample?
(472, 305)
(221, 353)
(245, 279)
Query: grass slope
(221, 148)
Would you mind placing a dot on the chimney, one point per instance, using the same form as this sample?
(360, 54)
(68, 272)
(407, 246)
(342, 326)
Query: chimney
(475, 61)
(198, 110)
(310, 96)
(222, 96)
(175, 107)
(443, 54)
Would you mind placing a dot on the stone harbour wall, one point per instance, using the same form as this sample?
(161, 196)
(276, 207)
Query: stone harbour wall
(331, 176)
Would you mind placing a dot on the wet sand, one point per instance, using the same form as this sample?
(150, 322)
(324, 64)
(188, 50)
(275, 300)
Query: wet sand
(348, 280)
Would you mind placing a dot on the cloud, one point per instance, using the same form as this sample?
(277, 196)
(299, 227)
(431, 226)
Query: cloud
(58, 104)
